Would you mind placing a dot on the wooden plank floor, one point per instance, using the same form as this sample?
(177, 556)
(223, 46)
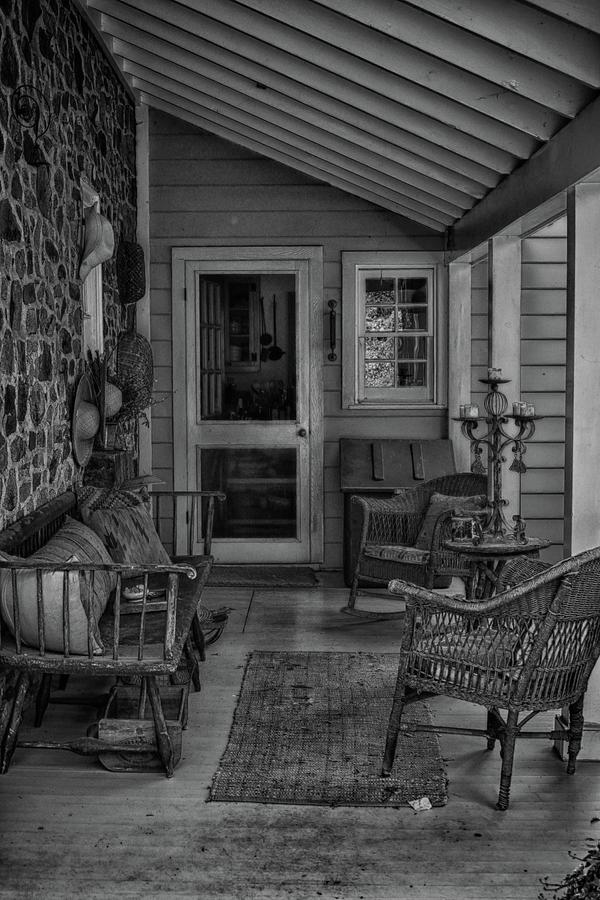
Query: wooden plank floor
(69, 828)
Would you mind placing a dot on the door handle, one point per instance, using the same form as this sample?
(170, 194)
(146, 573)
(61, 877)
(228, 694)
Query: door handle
(302, 432)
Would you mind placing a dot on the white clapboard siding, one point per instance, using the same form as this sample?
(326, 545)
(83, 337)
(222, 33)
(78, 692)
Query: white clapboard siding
(543, 373)
(203, 191)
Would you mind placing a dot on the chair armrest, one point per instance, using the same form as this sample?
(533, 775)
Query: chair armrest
(525, 599)
(48, 607)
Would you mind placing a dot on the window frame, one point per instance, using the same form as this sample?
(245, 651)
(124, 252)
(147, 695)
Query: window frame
(354, 394)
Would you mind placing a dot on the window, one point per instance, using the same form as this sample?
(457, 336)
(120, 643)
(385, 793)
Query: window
(91, 290)
(392, 330)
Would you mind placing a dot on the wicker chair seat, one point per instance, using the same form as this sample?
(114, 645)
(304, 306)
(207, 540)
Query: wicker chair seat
(396, 553)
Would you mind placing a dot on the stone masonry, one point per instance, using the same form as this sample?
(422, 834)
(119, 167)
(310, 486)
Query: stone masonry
(48, 48)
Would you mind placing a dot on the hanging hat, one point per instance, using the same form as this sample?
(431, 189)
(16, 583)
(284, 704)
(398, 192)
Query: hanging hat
(131, 272)
(113, 400)
(85, 422)
(99, 241)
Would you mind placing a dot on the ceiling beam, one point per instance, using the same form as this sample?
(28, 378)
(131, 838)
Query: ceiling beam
(357, 144)
(259, 82)
(553, 42)
(568, 158)
(291, 27)
(444, 39)
(233, 117)
(581, 12)
(344, 72)
(319, 173)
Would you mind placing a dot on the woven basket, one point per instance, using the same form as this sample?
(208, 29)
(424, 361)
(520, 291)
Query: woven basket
(131, 272)
(135, 371)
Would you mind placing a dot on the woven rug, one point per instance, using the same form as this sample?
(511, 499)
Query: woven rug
(263, 576)
(309, 728)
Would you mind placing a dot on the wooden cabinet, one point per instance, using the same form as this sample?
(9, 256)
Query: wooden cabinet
(242, 326)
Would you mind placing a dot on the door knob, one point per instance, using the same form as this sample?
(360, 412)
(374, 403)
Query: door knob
(302, 432)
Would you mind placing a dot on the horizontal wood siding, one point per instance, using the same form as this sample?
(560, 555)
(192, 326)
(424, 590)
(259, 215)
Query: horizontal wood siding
(543, 357)
(206, 191)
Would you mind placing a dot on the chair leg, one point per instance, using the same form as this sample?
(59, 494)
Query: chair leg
(495, 728)
(353, 589)
(164, 745)
(392, 734)
(507, 743)
(8, 740)
(42, 699)
(575, 734)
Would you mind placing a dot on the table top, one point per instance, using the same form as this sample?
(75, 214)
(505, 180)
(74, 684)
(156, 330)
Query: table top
(496, 546)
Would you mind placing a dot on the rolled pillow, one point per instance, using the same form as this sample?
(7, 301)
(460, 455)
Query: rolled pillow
(74, 542)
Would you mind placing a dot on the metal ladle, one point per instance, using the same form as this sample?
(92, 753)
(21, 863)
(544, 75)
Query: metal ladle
(275, 352)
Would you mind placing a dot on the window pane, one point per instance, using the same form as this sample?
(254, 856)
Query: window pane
(413, 319)
(412, 374)
(379, 290)
(379, 374)
(261, 491)
(412, 290)
(379, 348)
(380, 318)
(412, 348)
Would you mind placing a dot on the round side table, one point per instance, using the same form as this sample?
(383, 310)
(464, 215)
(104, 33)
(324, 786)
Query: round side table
(488, 558)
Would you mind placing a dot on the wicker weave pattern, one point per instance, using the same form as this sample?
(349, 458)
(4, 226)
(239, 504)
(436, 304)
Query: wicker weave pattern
(398, 520)
(530, 648)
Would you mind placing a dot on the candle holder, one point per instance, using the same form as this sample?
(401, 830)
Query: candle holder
(496, 439)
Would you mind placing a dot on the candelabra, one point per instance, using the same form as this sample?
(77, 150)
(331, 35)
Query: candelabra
(496, 439)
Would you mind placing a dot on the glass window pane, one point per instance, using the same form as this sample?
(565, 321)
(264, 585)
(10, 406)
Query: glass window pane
(379, 290)
(379, 348)
(413, 319)
(260, 486)
(412, 348)
(412, 374)
(380, 318)
(412, 290)
(379, 374)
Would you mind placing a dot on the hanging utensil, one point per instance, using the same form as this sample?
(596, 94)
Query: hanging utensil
(265, 337)
(275, 352)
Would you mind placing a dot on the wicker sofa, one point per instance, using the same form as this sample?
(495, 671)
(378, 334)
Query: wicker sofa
(67, 609)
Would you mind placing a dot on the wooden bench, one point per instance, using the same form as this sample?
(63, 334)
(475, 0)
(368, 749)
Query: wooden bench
(145, 641)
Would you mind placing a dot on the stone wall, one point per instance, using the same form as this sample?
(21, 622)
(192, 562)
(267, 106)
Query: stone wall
(47, 45)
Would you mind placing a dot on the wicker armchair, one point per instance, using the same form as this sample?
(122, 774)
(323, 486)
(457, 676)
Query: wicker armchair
(390, 528)
(530, 648)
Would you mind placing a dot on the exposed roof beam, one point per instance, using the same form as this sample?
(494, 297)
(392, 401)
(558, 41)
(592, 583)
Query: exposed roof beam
(385, 157)
(568, 158)
(554, 43)
(233, 116)
(288, 95)
(581, 12)
(320, 173)
(293, 25)
(360, 77)
(443, 38)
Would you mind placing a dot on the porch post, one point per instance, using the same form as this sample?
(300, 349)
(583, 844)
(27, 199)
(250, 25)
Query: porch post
(582, 439)
(504, 335)
(142, 147)
(459, 356)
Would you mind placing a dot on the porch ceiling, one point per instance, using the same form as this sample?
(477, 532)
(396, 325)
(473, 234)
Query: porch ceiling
(423, 107)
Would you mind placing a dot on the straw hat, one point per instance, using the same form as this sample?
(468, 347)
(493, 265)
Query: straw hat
(113, 400)
(86, 421)
(99, 241)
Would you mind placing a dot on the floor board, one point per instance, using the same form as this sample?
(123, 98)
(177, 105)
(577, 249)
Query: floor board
(69, 828)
